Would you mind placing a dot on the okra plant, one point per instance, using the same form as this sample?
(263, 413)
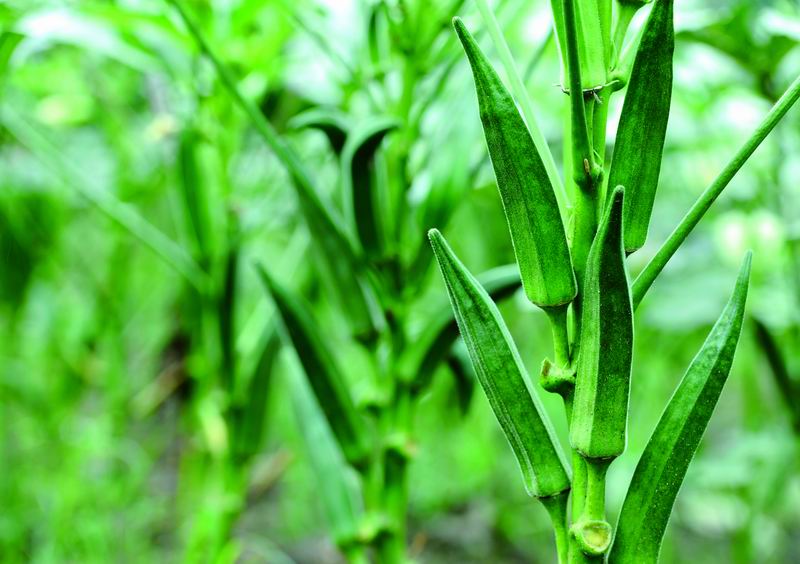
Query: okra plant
(572, 256)
(370, 251)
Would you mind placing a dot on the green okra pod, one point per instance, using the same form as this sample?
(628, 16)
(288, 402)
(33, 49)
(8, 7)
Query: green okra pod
(503, 377)
(530, 205)
(639, 145)
(602, 384)
(324, 376)
(662, 467)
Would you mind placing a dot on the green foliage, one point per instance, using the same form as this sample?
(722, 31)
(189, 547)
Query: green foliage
(156, 405)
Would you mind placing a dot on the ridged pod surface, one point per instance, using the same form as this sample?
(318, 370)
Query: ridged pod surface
(503, 378)
(530, 205)
(639, 145)
(602, 384)
(662, 467)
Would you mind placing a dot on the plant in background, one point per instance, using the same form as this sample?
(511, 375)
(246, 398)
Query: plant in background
(581, 279)
(371, 255)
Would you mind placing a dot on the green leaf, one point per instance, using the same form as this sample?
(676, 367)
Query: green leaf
(664, 462)
(534, 220)
(602, 386)
(421, 358)
(330, 121)
(463, 376)
(321, 370)
(121, 213)
(194, 194)
(336, 485)
(643, 124)
(503, 378)
(367, 206)
(249, 409)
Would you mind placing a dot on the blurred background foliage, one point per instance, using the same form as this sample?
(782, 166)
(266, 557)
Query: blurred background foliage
(116, 448)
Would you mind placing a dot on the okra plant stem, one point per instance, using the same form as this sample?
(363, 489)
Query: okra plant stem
(556, 507)
(558, 325)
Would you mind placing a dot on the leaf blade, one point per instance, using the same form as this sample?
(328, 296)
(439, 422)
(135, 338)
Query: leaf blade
(361, 187)
(321, 370)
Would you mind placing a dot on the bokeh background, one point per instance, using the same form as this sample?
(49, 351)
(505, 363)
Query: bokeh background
(111, 432)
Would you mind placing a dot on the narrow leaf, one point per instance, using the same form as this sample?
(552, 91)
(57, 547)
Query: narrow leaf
(337, 487)
(194, 194)
(534, 220)
(321, 370)
(643, 124)
(600, 411)
(503, 378)
(662, 467)
(361, 186)
(249, 410)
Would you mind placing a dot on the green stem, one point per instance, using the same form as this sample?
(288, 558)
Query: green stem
(524, 101)
(595, 505)
(707, 198)
(556, 507)
(582, 159)
(624, 16)
(558, 325)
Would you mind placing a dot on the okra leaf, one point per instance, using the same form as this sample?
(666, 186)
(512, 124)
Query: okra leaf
(337, 486)
(503, 378)
(250, 406)
(361, 185)
(327, 382)
(343, 268)
(662, 467)
(419, 361)
(639, 145)
(194, 195)
(330, 121)
(530, 205)
(602, 386)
